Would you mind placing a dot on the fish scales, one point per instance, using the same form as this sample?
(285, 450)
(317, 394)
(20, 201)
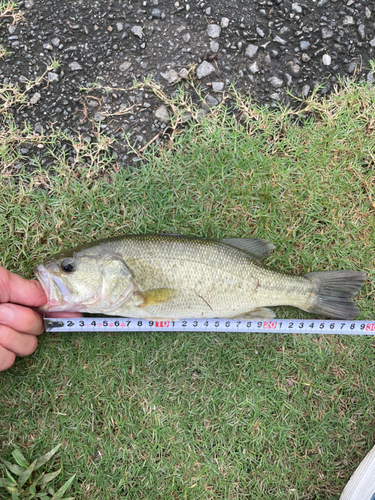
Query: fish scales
(210, 278)
(175, 276)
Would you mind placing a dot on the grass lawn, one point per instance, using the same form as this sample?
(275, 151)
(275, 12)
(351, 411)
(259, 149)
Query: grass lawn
(202, 416)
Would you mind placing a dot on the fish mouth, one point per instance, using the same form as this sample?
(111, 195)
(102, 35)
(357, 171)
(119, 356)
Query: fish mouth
(58, 295)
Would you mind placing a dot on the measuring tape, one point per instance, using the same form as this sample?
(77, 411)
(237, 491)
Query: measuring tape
(312, 326)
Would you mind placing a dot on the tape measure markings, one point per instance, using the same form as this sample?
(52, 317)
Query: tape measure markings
(336, 327)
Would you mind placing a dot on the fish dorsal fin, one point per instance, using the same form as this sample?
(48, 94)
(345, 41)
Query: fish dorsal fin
(257, 248)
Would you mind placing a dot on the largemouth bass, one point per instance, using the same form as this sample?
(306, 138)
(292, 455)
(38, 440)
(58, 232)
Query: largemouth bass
(173, 276)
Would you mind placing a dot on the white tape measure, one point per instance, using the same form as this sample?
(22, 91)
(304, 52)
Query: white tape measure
(307, 326)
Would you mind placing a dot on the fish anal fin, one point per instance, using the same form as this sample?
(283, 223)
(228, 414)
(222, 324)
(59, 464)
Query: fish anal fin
(257, 248)
(259, 313)
(155, 296)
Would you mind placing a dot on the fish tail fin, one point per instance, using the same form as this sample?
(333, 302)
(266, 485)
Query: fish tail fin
(333, 292)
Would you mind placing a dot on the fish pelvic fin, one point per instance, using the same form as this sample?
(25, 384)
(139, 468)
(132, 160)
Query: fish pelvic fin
(258, 313)
(259, 249)
(155, 296)
(333, 290)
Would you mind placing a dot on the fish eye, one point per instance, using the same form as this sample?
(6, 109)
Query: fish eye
(67, 266)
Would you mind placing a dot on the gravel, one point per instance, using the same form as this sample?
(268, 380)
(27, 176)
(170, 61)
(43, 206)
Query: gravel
(205, 69)
(251, 50)
(264, 47)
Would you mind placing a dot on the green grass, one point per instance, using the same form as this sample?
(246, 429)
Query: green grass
(201, 416)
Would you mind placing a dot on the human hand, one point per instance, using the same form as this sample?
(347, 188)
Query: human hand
(19, 324)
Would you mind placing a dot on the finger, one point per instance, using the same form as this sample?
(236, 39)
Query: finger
(15, 289)
(21, 319)
(21, 344)
(62, 314)
(7, 358)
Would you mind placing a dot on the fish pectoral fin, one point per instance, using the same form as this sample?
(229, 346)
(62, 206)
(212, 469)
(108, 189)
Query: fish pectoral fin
(258, 249)
(259, 313)
(155, 296)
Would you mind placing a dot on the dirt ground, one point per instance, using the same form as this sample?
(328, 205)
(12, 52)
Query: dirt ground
(263, 47)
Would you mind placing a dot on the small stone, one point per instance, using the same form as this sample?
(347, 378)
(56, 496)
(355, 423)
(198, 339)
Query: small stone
(326, 33)
(305, 90)
(276, 82)
(352, 66)
(171, 76)
(35, 98)
(260, 32)
(305, 57)
(214, 47)
(211, 101)
(348, 21)
(156, 13)
(208, 11)
(98, 117)
(47, 46)
(251, 50)
(224, 23)
(326, 60)
(186, 116)
(205, 69)
(293, 68)
(275, 96)
(183, 73)
(370, 78)
(367, 13)
(52, 77)
(137, 31)
(254, 68)
(372, 42)
(186, 37)
(289, 79)
(75, 66)
(125, 66)
(55, 41)
(29, 4)
(217, 86)
(162, 114)
(213, 30)
(12, 29)
(296, 8)
(361, 31)
(279, 40)
(304, 44)
(120, 26)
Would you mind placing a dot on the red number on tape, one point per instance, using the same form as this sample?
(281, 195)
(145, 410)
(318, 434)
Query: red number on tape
(270, 324)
